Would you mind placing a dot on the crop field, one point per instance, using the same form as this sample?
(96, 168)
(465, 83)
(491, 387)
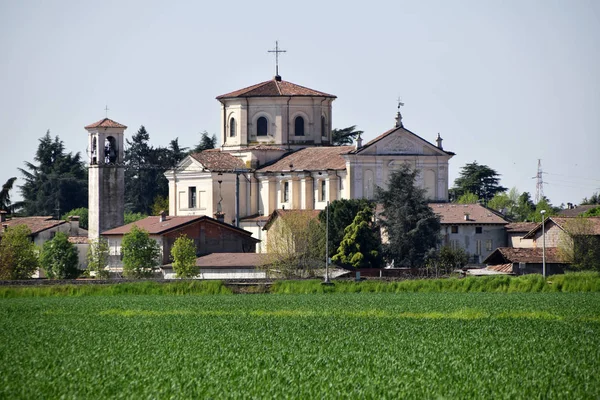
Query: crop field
(354, 345)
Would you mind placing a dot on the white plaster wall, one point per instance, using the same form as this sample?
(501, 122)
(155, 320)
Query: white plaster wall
(223, 274)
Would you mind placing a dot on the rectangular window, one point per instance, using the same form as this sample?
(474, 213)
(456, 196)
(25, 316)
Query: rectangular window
(454, 229)
(478, 247)
(192, 197)
(286, 191)
(323, 190)
(488, 245)
(454, 244)
(478, 229)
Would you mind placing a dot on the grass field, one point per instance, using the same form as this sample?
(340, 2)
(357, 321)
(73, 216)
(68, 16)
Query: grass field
(359, 345)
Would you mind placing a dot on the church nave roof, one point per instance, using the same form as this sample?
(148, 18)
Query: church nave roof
(274, 88)
(217, 160)
(311, 159)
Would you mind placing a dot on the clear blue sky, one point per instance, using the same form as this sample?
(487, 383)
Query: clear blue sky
(504, 82)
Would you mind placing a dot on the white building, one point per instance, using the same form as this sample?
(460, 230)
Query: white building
(277, 153)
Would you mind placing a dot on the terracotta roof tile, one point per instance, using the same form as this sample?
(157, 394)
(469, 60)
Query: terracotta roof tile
(311, 159)
(154, 226)
(274, 88)
(504, 255)
(35, 224)
(217, 160)
(451, 213)
(229, 261)
(573, 212)
(106, 123)
(520, 227)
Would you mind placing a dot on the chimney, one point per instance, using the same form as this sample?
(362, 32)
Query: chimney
(2, 215)
(439, 142)
(74, 222)
(162, 216)
(467, 216)
(220, 216)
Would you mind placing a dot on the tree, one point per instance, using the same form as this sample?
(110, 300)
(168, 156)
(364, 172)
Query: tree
(80, 212)
(184, 257)
(592, 212)
(524, 208)
(478, 179)
(341, 214)
(579, 245)
(594, 199)
(5, 195)
(412, 228)
(175, 153)
(141, 254)
(543, 204)
(97, 257)
(130, 217)
(468, 198)
(296, 244)
(206, 142)
(59, 257)
(56, 184)
(18, 254)
(343, 137)
(450, 259)
(361, 246)
(141, 173)
(160, 204)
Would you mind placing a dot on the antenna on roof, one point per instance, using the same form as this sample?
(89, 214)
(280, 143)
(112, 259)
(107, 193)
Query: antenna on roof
(277, 51)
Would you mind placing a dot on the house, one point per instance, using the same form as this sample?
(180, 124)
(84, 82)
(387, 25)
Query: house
(519, 261)
(556, 227)
(472, 227)
(226, 266)
(209, 235)
(515, 231)
(277, 154)
(45, 228)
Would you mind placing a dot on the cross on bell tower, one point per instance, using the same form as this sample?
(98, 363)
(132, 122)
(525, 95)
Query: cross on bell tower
(277, 51)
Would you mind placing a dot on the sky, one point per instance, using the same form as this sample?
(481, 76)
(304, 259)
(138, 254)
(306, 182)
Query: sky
(505, 83)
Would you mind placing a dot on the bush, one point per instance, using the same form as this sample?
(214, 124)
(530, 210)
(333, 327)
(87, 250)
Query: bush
(59, 257)
(184, 257)
(141, 254)
(18, 255)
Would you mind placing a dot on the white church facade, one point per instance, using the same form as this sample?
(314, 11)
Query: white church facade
(277, 153)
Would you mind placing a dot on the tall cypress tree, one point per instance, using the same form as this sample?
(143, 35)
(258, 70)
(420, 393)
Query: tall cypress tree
(57, 183)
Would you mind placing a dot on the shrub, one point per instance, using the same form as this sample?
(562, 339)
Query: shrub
(18, 255)
(59, 257)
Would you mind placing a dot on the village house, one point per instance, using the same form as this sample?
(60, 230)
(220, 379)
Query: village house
(472, 227)
(209, 236)
(515, 232)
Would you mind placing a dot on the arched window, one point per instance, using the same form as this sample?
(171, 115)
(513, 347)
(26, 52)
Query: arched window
(323, 133)
(110, 150)
(299, 126)
(94, 151)
(262, 127)
(232, 127)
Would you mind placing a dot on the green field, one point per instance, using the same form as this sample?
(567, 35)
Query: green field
(358, 345)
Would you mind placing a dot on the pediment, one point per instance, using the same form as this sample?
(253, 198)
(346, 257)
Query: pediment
(189, 164)
(398, 142)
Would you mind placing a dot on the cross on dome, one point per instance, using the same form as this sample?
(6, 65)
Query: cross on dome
(277, 51)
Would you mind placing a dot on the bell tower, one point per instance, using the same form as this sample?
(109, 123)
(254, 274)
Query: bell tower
(106, 176)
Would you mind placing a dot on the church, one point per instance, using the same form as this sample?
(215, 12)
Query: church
(277, 153)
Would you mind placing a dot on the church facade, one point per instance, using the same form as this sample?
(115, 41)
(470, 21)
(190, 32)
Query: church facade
(277, 153)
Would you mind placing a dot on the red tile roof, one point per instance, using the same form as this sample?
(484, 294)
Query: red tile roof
(451, 213)
(311, 159)
(106, 123)
(274, 88)
(520, 227)
(35, 224)
(154, 226)
(217, 160)
(232, 260)
(504, 255)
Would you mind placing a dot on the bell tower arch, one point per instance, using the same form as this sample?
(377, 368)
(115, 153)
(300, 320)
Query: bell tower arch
(106, 176)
